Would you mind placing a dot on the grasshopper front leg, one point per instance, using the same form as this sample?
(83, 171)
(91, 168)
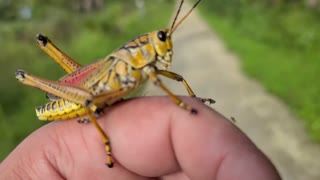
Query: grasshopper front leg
(152, 73)
(179, 78)
(73, 94)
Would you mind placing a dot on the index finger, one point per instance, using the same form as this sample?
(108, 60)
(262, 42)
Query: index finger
(150, 137)
(153, 137)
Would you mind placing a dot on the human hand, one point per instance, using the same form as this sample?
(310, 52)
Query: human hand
(151, 138)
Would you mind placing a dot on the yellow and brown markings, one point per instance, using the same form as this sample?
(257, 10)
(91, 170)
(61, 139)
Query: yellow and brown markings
(137, 42)
(138, 52)
(59, 110)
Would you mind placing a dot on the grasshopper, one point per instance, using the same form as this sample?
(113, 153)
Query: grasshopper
(86, 90)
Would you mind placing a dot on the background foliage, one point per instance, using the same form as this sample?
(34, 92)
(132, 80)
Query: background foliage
(278, 43)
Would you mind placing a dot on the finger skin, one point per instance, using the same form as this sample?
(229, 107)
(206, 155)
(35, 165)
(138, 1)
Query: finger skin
(150, 137)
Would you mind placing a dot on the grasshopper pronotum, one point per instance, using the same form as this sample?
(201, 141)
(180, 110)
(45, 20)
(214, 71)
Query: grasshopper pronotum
(88, 89)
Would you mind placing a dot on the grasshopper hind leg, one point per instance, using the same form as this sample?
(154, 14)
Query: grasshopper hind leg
(75, 95)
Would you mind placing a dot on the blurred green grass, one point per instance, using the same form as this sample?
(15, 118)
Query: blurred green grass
(84, 37)
(279, 46)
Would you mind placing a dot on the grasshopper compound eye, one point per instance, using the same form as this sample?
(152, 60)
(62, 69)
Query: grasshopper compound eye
(162, 35)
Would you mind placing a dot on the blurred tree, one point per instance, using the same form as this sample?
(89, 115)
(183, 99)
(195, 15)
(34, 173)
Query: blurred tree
(87, 6)
(312, 4)
(9, 9)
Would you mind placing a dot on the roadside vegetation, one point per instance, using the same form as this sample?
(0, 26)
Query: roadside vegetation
(278, 44)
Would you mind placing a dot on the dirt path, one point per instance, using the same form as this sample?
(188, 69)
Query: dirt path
(213, 71)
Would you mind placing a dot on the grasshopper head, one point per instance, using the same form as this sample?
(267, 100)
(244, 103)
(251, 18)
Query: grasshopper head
(162, 39)
(163, 46)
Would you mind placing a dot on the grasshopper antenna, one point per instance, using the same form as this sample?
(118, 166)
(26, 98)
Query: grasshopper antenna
(177, 14)
(173, 26)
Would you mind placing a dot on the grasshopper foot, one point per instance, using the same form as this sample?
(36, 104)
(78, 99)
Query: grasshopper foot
(109, 155)
(98, 112)
(194, 111)
(204, 100)
(83, 121)
(110, 165)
